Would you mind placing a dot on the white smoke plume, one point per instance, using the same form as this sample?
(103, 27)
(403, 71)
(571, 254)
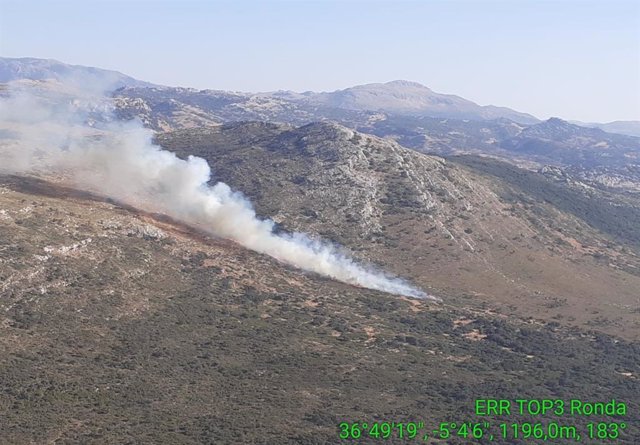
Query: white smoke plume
(55, 130)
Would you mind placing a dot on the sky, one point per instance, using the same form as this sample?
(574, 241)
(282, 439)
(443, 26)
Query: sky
(574, 59)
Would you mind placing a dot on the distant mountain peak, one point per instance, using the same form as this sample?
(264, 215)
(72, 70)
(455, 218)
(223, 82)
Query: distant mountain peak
(560, 125)
(392, 87)
(556, 122)
(406, 83)
(410, 98)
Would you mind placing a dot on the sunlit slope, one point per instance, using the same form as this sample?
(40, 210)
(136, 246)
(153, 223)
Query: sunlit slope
(454, 229)
(118, 327)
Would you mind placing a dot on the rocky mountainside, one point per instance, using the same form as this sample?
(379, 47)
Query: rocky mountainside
(364, 101)
(174, 108)
(469, 230)
(602, 159)
(553, 142)
(120, 327)
(166, 108)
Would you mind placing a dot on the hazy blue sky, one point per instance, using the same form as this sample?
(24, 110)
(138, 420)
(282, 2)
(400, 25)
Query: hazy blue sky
(573, 59)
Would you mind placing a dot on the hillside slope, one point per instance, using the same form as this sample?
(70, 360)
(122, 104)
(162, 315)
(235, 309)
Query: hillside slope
(455, 230)
(119, 327)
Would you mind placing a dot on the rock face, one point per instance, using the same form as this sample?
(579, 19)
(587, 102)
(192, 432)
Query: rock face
(117, 327)
(472, 225)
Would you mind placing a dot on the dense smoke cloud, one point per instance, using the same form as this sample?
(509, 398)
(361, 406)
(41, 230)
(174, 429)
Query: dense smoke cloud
(54, 130)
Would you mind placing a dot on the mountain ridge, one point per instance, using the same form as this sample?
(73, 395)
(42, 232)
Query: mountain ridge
(393, 96)
(13, 68)
(407, 97)
(41, 69)
(537, 144)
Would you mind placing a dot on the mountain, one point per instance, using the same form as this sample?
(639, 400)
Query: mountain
(629, 128)
(467, 229)
(396, 97)
(122, 327)
(553, 142)
(404, 97)
(600, 158)
(44, 69)
(172, 108)
(166, 108)
(559, 141)
(407, 112)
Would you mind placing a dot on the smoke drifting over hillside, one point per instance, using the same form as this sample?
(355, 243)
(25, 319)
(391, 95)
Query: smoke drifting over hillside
(70, 134)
